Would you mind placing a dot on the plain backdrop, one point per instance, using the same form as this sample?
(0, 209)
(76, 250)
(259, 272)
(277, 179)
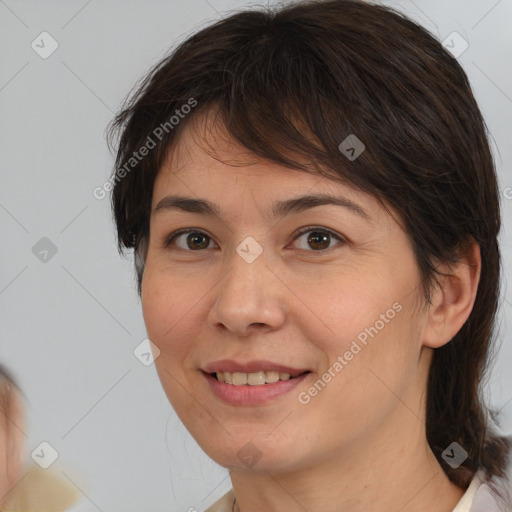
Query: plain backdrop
(70, 315)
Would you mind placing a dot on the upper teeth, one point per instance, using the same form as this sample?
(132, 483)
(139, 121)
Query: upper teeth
(253, 379)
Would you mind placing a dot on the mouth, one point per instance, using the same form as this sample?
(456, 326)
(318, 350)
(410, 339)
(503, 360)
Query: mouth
(258, 378)
(251, 383)
(254, 383)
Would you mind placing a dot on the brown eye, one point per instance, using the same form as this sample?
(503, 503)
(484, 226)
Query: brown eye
(318, 239)
(197, 241)
(194, 241)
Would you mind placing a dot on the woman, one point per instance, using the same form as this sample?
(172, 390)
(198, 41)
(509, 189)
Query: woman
(313, 207)
(29, 489)
(12, 439)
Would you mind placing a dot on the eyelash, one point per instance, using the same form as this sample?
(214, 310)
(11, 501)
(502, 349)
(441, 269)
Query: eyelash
(302, 231)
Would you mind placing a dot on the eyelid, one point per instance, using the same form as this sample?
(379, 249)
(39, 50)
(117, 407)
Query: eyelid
(297, 234)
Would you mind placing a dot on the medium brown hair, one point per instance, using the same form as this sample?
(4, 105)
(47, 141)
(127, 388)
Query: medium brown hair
(299, 80)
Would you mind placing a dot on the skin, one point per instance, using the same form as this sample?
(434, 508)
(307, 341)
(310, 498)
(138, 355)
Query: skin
(31, 488)
(360, 443)
(12, 439)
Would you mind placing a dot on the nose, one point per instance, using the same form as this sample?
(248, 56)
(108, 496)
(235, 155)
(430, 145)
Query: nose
(250, 297)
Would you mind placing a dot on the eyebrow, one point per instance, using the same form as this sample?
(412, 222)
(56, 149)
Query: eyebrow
(279, 208)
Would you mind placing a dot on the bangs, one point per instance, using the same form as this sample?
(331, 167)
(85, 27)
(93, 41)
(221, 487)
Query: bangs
(278, 105)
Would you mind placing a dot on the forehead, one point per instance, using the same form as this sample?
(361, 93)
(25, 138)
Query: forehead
(204, 144)
(204, 159)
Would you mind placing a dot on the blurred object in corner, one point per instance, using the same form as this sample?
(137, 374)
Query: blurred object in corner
(25, 489)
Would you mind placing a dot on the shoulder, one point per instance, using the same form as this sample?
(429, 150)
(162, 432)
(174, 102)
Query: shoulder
(485, 499)
(224, 504)
(41, 489)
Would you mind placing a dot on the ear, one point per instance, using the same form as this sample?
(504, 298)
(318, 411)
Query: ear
(452, 301)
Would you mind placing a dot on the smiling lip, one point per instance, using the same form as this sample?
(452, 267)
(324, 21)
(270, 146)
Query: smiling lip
(228, 365)
(247, 395)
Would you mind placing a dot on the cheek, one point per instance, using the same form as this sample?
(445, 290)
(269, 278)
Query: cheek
(369, 330)
(168, 308)
(168, 312)
(350, 308)
(357, 389)
(167, 293)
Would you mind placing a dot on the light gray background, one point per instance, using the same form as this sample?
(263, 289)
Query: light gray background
(69, 326)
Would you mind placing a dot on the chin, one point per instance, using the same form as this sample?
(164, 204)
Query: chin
(257, 453)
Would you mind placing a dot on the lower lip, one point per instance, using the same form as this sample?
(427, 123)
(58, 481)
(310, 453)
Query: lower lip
(252, 395)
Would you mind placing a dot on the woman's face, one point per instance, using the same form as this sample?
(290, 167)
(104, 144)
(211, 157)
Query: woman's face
(244, 290)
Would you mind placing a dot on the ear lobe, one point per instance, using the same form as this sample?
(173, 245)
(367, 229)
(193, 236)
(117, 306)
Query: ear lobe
(453, 300)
